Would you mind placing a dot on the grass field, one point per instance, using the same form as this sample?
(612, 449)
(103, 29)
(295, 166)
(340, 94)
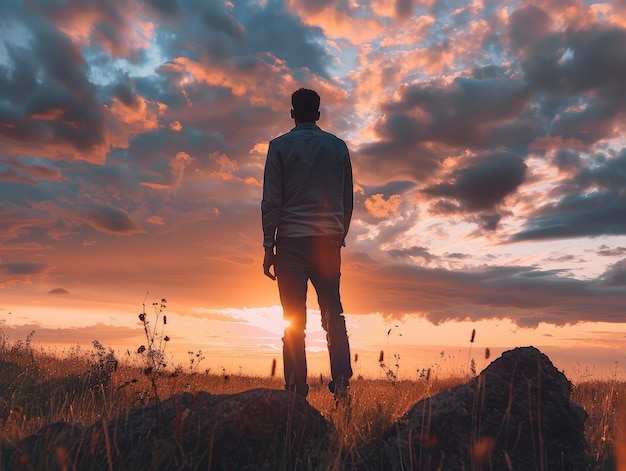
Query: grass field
(39, 387)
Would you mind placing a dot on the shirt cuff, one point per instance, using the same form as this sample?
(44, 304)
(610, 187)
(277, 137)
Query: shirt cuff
(268, 242)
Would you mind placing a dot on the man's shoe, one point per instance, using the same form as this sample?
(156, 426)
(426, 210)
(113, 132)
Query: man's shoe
(339, 388)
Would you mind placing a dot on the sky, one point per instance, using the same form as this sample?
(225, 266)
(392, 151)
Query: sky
(487, 147)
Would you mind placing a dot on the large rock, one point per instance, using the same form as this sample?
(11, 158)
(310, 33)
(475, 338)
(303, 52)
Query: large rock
(262, 428)
(516, 415)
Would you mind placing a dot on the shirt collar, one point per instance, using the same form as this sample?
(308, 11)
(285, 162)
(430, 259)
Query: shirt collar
(306, 126)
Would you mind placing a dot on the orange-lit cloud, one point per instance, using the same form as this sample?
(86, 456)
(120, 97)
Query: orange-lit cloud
(338, 22)
(378, 207)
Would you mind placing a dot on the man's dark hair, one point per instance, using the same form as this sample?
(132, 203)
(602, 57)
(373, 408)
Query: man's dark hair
(306, 105)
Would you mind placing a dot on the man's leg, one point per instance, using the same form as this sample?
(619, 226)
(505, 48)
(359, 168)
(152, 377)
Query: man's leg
(292, 286)
(326, 282)
(339, 352)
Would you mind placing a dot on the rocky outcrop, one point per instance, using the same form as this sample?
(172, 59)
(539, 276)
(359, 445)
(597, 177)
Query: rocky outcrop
(260, 427)
(516, 415)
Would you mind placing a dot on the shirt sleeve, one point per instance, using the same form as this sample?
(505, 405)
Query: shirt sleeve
(348, 196)
(272, 201)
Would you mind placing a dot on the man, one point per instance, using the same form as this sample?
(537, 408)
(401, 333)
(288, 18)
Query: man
(306, 209)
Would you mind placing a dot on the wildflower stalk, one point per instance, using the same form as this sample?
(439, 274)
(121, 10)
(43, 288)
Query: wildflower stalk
(153, 355)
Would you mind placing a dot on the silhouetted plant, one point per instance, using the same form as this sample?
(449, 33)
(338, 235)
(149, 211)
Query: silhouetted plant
(470, 361)
(102, 366)
(153, 352)
(391, 375)
(195, 358)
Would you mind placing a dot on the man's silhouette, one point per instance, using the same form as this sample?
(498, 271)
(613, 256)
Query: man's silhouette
(307, 206)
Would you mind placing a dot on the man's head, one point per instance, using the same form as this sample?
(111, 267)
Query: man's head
(305, 106)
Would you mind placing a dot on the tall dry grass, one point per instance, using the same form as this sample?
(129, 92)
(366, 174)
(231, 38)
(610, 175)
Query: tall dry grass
(40, 387)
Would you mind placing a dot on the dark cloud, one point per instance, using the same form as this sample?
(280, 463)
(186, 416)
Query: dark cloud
(564, 258)
(110, 23)
(488, 222)
(166, 7)
(581, 68)
(392, 160)
(12, 176)
(588, 215)
(528, 26)
(468, 111)
(606, 173)
(405, 8)
(592, 205)
(412, 253)
(525, 295)
(245, 33)
(45, 94)
(109, 219)
(607, 251)
(615, 275)
(124, 91)
(59, 291)
(23, 268)
(457, 256)
(300, 46)
(217, 19)
(390, 188)
(27, 170)
(598, 60)
(567, 160)
(475, 113)
(484, 184)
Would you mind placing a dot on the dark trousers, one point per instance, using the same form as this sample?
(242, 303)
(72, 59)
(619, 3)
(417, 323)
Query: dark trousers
(299, 259)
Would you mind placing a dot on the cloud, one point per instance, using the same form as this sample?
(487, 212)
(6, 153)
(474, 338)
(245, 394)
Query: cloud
(166, 7)
(484, 184)
(412, 253)
(615, 274)
(27, 172)
(109, 219)
(525, 295)
(607, 251)
(299, 46)
(22, 268)
(47, 97)
(429, 121)
(59, 291)
(598, 213)
(338, 19)
(175, 126)
(593, 204)
(378, 207)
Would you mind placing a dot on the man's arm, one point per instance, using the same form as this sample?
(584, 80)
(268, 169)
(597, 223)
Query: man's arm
(271, 206)
(272, 201)
(348, 197)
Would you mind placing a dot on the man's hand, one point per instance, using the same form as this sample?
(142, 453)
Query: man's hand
(268, 262)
